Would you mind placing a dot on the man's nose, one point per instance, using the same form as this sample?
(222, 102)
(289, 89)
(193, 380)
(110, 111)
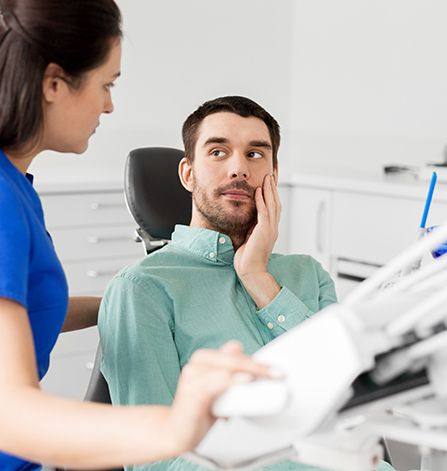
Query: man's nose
(239, 167)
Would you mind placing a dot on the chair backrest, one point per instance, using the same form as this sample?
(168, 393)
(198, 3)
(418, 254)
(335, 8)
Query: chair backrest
(154, 195)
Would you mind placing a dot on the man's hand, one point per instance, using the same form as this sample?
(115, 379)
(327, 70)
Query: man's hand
(251, 259)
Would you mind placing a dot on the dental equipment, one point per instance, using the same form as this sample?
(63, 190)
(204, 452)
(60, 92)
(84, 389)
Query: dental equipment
(374, 365)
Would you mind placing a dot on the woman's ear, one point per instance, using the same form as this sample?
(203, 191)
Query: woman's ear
(185, 174)
(54, 83)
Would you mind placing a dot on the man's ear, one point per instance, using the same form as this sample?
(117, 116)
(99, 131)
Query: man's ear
(185, 174)
(54, 83)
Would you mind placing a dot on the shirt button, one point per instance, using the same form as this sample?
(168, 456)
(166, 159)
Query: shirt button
(281, 318)
(211, 255)
(221, 240)
(270, 325)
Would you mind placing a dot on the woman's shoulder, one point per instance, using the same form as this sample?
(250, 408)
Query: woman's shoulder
(10, 200)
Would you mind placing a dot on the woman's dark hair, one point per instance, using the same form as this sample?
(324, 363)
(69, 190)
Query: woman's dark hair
(239, 105)
(74, 34)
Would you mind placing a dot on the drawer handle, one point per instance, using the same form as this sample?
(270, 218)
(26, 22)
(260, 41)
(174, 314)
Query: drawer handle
(99, 240)
(97, 206)
(98, 274)
(90, 365)
(320, 223)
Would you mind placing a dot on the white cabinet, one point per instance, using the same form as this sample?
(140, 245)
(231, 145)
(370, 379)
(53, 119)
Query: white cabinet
(93, 235)
(310, 215)
(374, 228)
(353, 227)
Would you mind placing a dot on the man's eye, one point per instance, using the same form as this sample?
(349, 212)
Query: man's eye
(255, 155)
(217, 153)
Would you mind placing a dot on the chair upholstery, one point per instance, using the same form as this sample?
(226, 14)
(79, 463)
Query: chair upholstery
(97, 389)
(154, 195)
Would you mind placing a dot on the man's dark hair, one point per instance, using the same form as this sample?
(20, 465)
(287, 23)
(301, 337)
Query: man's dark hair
(77, 35)
(233, 104)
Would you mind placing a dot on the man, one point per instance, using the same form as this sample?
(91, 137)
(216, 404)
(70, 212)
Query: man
(218, 279)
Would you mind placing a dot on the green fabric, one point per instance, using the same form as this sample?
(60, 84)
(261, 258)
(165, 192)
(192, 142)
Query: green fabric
(187, 296)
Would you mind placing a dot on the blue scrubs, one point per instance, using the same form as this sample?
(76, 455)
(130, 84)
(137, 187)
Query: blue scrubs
(30, 272)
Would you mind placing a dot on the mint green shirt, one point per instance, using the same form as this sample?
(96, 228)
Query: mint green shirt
(187, 296)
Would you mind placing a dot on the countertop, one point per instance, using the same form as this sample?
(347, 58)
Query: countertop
(404, 186)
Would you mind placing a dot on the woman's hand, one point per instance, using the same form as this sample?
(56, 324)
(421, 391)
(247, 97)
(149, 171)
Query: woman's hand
(208, 374)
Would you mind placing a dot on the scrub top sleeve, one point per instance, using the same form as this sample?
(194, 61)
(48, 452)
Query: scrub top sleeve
(14, 249)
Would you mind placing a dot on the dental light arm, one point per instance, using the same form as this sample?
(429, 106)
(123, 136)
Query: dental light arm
(345, 370)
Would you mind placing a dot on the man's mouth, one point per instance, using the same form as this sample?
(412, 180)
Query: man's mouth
(238, 195)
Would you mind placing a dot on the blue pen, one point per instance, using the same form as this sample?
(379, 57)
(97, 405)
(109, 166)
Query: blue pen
(431, 189)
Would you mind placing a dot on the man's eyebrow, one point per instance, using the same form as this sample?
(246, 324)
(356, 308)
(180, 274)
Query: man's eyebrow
(216, 140)
(260, 144)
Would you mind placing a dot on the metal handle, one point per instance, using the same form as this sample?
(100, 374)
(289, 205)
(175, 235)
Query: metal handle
(320, 222)
(98, 240)
(96, 206)
(98, 274)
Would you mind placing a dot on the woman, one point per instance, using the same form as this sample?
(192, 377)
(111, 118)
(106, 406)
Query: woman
(58, 62)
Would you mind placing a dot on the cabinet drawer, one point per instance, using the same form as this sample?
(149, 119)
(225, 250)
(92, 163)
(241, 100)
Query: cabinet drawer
(95, 242)
(71, 210)
(91, 277)
(76, 342)
(69, 376)
(310, 225)
(374, 228)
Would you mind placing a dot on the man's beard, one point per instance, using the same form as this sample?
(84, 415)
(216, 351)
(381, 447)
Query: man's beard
(235, 224)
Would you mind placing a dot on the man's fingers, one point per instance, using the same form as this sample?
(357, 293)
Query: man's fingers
(272, 200)
(276, 196)
(268, 194)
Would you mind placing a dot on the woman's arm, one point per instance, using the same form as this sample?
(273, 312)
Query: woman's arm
(82, 313)
(62, 432)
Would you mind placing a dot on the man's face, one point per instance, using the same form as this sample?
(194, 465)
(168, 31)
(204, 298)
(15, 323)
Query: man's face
(231, 158)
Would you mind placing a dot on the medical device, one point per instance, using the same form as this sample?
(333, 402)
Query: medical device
(374, 365)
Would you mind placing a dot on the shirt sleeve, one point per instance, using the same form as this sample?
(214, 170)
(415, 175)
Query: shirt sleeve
(140, 360)
(289, 308)
(15, 249)
(327, 294)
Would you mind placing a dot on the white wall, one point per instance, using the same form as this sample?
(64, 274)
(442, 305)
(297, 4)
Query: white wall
(354, 83)
(369, 83)
(176, 55)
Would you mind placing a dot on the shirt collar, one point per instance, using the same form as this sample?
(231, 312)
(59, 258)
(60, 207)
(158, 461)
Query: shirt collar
(211, 245)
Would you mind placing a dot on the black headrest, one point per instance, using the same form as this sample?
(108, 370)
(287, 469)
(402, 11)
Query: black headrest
(154, 194)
